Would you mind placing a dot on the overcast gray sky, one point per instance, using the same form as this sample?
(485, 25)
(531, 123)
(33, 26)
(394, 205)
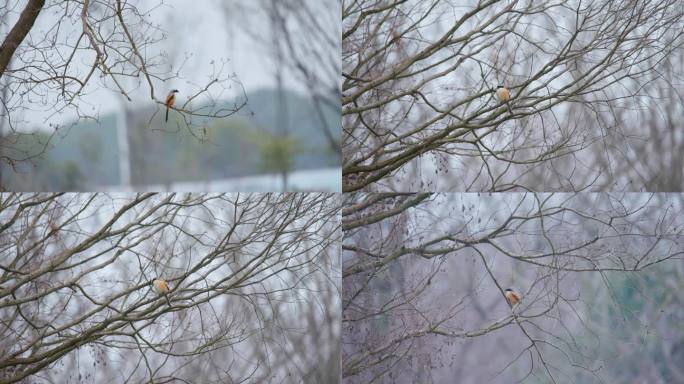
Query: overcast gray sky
(198, 30)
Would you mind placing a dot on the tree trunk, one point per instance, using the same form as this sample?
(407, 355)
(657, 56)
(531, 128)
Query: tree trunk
(19, 32)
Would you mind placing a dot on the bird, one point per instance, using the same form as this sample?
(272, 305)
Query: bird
(170, 100)
(504, 95)
(162, 287)
(512, 296)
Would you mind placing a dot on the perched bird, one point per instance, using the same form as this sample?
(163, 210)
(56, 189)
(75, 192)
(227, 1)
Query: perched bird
(504, 95)
(170, 100)
(162, 287)
(512, 296)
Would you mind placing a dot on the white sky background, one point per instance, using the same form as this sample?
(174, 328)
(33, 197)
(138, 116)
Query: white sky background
(196, 28)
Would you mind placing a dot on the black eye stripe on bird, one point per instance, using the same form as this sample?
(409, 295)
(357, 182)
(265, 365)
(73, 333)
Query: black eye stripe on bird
(170, 101)
(512, 296)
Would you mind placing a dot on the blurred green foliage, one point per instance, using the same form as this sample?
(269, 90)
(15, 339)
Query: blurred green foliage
(626, 328)
(84, 155)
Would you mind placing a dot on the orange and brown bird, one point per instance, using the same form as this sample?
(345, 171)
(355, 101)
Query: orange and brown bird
(512, 296)
(162, 287)
(170, 100)
(504, 95)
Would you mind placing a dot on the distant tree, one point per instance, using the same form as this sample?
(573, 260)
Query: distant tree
(91, 151)
(305, 45)
(278, 153)
(71, 178)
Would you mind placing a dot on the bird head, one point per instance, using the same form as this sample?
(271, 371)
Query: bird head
(499, 86)
(508, 290)
(175, 91)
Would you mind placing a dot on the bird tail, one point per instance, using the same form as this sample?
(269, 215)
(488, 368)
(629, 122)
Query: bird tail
(507, 104)
(167, 299)
(167, 114)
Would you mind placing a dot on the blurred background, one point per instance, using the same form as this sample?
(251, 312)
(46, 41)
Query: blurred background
(600, 275)
(586, 115)
(255, 297)
(259, 93)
